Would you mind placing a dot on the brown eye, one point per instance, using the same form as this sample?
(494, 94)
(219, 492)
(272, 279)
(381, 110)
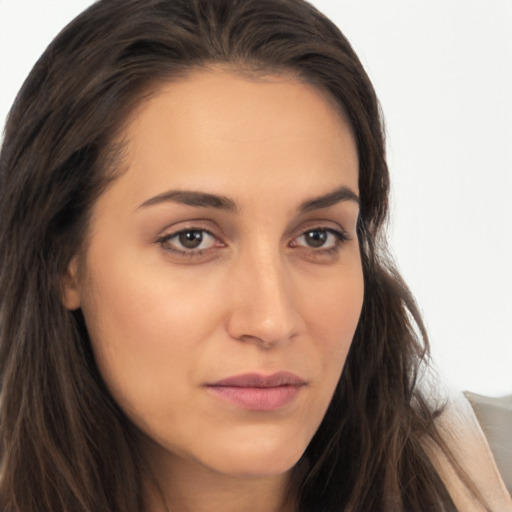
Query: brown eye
(190, 239)
(316, 238)
(320, 238)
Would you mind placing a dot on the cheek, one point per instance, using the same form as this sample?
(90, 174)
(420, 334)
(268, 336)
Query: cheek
(146, 330)
(332, 309)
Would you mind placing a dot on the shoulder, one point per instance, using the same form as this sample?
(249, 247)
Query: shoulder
(463, 435)
(495, 418)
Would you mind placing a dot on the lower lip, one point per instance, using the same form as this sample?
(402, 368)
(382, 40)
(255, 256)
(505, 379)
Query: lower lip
(257, 399)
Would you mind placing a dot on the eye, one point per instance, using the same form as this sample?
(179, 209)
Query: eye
(320, 238)
(189, 241)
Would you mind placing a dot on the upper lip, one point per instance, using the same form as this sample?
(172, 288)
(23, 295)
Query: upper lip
(258, 380)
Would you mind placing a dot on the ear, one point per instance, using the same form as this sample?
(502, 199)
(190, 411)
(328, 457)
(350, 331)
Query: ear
(69, 286)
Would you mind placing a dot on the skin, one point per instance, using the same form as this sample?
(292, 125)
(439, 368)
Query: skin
(256, 296)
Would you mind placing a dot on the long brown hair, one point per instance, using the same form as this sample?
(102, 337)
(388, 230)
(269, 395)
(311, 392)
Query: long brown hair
(64, 443)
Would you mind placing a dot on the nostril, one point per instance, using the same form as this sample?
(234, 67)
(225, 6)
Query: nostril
(248, 327)
(262, 343)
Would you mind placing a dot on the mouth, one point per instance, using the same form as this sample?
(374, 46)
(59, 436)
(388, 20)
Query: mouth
(258, 392)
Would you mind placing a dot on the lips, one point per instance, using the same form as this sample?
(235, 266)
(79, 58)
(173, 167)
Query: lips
(258, 392)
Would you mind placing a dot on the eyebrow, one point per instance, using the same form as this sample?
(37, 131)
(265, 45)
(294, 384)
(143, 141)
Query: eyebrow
(191, 198)
(220, 202)
(338, 195)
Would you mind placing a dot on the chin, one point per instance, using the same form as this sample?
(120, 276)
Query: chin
(258, 459)
(244, 451)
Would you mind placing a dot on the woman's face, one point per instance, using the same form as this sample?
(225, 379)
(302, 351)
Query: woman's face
(222, 283)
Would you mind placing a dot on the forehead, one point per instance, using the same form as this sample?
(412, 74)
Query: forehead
(217, 128)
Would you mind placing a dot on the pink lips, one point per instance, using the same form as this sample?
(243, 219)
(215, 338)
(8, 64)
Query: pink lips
(259, 392)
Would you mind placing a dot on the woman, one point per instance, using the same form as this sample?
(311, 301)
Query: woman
(197, 308)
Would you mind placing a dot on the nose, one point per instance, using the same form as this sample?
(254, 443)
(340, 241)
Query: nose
(262, 309)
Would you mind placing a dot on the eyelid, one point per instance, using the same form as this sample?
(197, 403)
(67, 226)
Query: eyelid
(203, 232)
(171, 232)
(338, 234)
(322, 254)
(320, 223)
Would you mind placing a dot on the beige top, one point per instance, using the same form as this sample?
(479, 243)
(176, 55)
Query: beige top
(465, 437)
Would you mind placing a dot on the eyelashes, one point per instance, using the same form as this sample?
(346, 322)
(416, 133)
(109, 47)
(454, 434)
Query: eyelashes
(320, 238)
(197, 243)
(191, 244)
(192, 240)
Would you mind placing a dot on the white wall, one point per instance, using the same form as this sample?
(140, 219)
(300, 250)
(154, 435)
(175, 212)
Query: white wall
(443, 72)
